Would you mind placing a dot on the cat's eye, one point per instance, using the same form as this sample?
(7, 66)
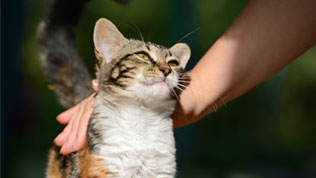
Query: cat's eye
(143, 56)
(173, 63)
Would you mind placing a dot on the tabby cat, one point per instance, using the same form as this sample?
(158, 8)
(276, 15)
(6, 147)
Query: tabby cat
(130, 133)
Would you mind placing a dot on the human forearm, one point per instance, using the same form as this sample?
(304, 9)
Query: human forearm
(266, 36)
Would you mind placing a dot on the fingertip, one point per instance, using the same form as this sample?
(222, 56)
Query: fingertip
(57, 143)
(57, 140)
(61, 118)
(63, 137)
(79, 145)
(65, 116)
(69, 147)
(64, 152)
(66, 149)
(95, 85)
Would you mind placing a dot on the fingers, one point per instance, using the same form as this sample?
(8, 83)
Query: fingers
(83, 126)
(72, 137)
(62, 137)
(65, 116)
(74, 134)
(68, 147)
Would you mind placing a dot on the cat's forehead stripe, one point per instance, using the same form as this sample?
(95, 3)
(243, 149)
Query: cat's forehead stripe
(148, 47)
(122, 71)
(158, 49)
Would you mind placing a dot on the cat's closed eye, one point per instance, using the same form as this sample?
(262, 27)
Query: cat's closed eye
(144, 56)
(173, 63)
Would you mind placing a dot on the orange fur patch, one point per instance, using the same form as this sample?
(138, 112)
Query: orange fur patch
(51, 87)
(53, 170)
(92, 166)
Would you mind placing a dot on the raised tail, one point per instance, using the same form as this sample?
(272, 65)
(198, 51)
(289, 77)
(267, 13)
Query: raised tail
(58, 53)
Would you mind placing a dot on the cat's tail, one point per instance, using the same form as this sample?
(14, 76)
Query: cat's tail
(59, 57)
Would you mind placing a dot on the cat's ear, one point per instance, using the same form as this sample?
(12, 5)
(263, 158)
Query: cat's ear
(107, 38)
(182, 52)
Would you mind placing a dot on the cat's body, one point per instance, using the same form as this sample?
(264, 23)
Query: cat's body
(130, 133)
(134, 140)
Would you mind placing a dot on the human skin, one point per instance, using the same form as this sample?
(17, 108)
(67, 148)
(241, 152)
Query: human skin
(267, 36)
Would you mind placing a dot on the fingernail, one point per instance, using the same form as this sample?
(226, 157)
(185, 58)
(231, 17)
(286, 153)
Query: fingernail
(58, 137)
(62, 149)
(95, 82)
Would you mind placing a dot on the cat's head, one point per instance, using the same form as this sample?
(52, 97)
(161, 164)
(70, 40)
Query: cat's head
(135, 68)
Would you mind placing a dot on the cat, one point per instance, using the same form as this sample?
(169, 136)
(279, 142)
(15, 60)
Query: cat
(130, 133)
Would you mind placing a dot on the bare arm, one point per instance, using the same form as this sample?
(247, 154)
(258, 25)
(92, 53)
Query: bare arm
(266, 36)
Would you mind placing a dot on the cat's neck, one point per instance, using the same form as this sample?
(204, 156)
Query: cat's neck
(129, 108)
(129, 115)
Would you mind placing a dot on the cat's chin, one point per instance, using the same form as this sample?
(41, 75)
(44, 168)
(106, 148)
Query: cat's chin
(156, 83)
(157, 91)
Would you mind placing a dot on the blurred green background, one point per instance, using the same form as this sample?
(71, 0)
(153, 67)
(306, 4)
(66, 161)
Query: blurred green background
(267, 133)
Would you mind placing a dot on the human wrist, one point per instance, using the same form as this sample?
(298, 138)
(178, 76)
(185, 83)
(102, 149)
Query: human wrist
(194, 100)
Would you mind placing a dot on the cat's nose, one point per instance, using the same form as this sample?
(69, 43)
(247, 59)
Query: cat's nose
(165, 70)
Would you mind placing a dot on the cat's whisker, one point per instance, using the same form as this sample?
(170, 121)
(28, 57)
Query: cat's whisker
(184, 86)
(180, 80)
(134, 28)
(175, 94)
(181, 86)
(184, 75)
(183, 81)
(184, 92)
(139, 32)
(188, 34)
(186, 78)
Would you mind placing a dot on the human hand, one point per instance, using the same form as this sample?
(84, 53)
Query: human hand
(73, 137)
(186, 109)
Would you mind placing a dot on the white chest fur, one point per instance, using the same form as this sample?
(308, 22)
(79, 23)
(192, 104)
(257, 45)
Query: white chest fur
(135, 141)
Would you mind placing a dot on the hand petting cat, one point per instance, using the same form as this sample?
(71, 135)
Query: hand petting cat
(73, 137)
(76, 119)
